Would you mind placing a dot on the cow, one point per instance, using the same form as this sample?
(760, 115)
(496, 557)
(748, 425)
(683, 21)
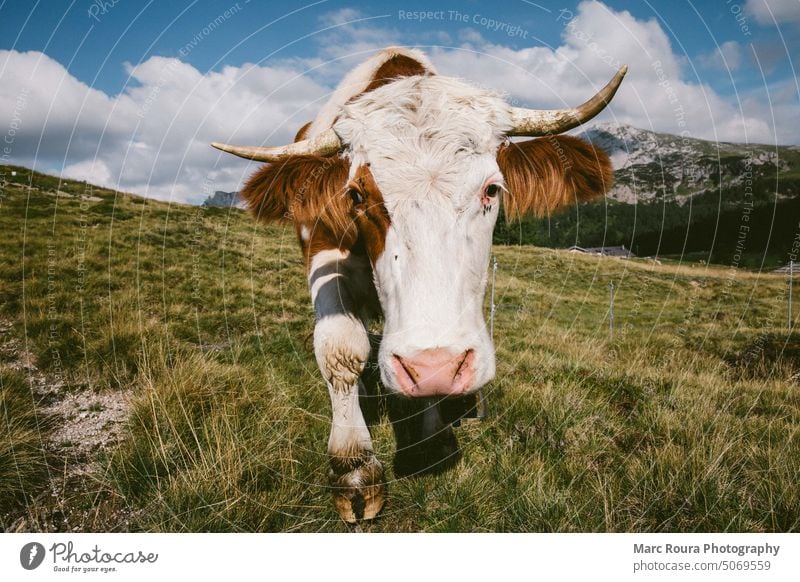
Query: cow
(394, 190)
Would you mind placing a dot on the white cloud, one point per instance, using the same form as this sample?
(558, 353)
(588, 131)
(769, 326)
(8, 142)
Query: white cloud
(773, 11)
(94, 171)
(656, 94)
(726, 57)
(58, 109)
(345, 15)
(152, 138)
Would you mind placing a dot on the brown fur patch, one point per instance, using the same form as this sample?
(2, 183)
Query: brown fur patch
(322, 238)
(371, 215)
(549, 173)
(309, 191)
(396, 67)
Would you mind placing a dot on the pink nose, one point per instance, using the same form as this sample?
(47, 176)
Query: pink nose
(435, 372)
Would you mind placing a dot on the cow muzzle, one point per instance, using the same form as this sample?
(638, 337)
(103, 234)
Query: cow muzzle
(435, 372)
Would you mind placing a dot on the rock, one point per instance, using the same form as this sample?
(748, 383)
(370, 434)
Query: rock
(222, 199)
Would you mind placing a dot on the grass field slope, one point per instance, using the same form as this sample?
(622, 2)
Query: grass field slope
(157, 375)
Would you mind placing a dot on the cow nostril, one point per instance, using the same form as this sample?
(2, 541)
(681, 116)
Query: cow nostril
(463, 364)
(436, 371)
(408, 368)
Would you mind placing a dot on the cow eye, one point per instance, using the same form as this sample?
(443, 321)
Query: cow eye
(492, 190)
(355, 196)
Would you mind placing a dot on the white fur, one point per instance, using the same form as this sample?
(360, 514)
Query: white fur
(349, 432)
(341, 346)
(325, 267)
(341, 343)
(431, 143)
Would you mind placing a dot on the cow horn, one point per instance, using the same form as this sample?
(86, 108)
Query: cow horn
(537, 122)
(326, 142)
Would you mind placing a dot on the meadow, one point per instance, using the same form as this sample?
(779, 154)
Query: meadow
(197, 322)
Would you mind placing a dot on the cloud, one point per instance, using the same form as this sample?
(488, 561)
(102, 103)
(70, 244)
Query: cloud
(342, 16)
(345, 39)
(57, 109)
(350, 37)
(152, 138)
(773, 11)
(726, 57)
(94, 171)
(661, 91)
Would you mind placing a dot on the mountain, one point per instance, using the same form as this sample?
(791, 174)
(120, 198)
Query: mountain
(654, 166)
(680, 197)
(222, 199)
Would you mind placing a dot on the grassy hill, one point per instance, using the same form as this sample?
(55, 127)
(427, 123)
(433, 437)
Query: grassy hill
(197, 322)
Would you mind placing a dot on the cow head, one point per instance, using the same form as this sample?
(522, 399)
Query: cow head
(413, 172)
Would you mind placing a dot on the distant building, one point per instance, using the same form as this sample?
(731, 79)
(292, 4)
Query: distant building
(603, 251)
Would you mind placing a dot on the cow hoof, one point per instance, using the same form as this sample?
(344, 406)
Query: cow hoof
(358, 494)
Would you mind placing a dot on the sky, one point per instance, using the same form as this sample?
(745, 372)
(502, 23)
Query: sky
(129, 94)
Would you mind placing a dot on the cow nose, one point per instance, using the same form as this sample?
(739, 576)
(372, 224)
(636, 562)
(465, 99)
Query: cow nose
(434, 372)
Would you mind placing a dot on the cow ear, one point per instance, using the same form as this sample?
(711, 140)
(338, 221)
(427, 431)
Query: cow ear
(545, 174)
(299, 188)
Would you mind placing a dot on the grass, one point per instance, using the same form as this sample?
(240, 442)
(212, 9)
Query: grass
(23, 461)
(687, 420)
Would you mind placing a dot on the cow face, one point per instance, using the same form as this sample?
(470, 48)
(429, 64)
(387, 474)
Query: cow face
(413, 172)
(425, 185)
(429, 165)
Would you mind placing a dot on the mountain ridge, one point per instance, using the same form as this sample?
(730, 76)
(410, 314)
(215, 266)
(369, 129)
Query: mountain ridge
(650, 165)
(222, 199)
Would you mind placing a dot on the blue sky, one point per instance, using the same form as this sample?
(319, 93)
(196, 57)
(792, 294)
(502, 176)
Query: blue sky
(109, 81)
(94, 42)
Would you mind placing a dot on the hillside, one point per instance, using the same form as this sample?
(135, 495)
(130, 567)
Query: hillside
(679, 197)
(156, 374)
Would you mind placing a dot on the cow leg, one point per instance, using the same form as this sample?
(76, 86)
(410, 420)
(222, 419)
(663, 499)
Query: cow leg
(342, 348)
(355, 475)
(425, 440)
